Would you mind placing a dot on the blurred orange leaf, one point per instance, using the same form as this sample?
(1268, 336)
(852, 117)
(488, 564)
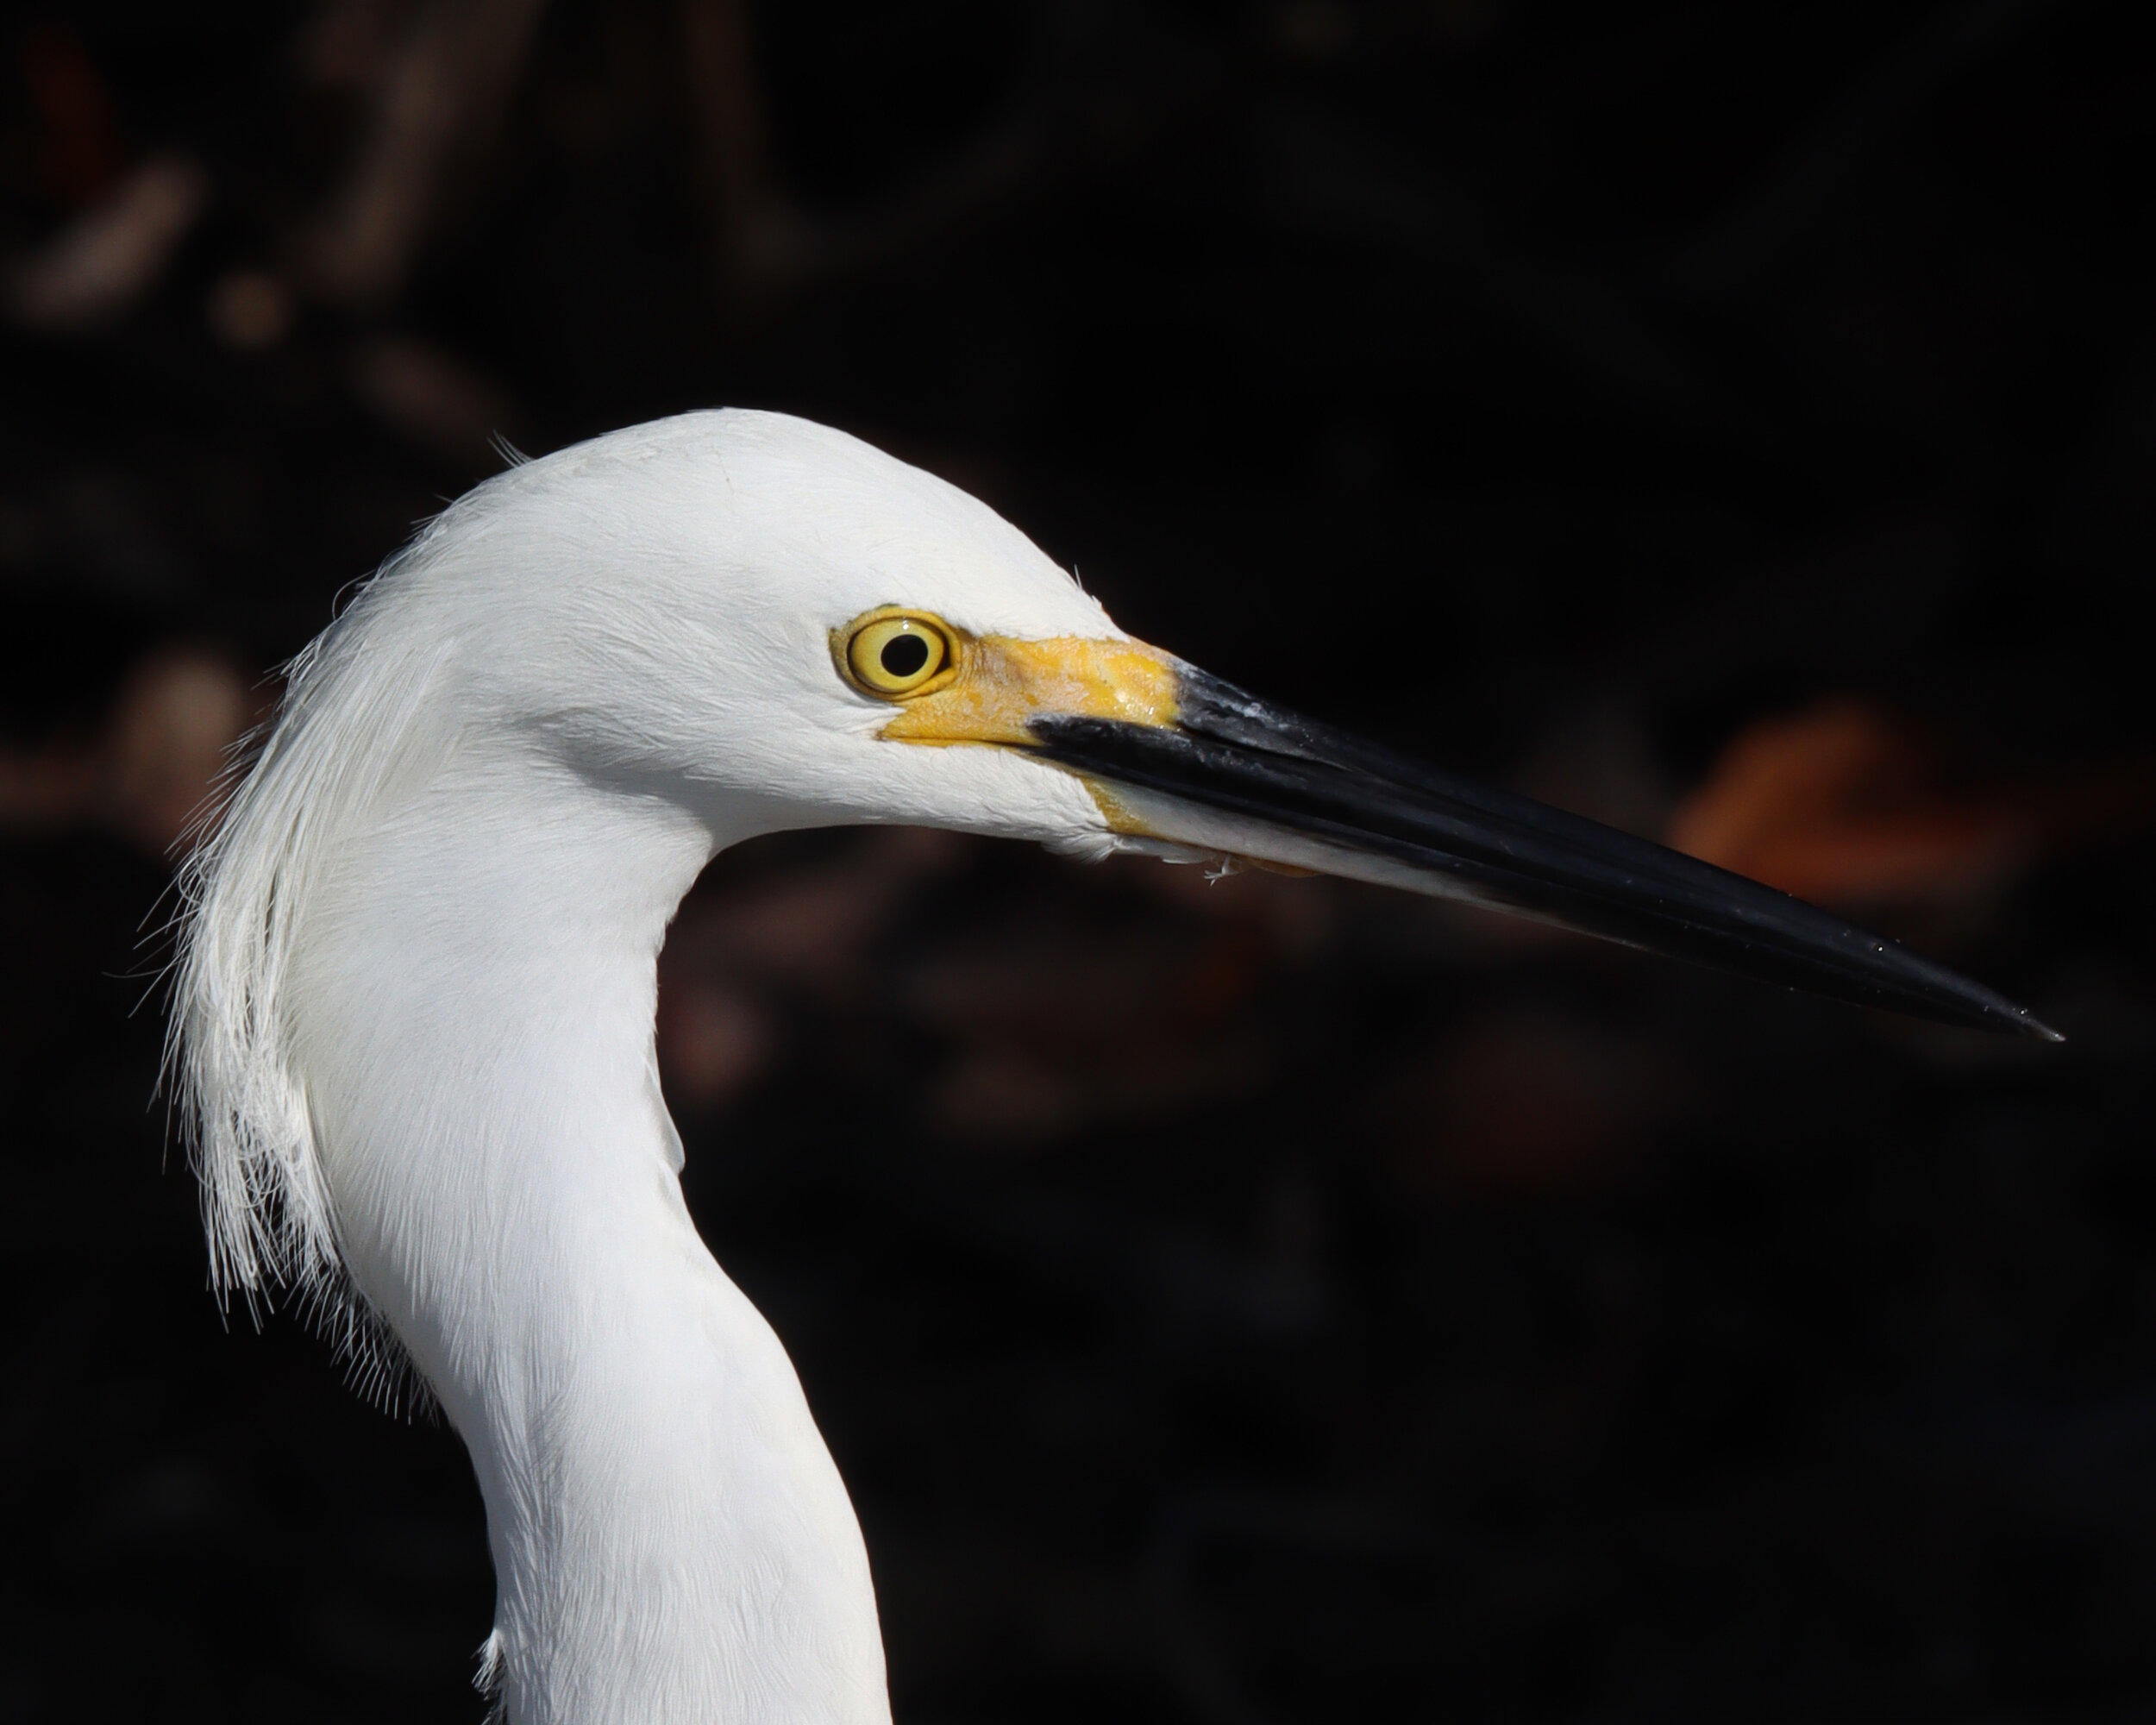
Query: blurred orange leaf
(1839, 803)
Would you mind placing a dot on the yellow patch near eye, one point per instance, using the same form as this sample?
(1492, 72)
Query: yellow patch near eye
(991, 688)
(1002, 685)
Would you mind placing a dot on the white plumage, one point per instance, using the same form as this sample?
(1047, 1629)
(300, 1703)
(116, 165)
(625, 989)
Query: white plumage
(413, 1028)
(415, 1010)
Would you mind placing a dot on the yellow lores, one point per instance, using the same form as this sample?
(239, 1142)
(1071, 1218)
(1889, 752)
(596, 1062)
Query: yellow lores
(952, 686)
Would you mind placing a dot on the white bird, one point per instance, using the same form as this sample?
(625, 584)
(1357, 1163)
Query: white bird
(412, 1025)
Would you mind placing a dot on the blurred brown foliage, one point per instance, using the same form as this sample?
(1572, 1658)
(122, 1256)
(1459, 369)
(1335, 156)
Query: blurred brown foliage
(1840, 805)
(152, 767)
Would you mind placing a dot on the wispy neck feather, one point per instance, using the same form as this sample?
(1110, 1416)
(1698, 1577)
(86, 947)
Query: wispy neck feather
(351, 710)
(414, 1008)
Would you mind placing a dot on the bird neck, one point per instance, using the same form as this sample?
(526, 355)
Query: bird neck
(671, 1540)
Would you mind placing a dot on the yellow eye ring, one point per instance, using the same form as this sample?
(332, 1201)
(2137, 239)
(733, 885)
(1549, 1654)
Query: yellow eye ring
(894, 654)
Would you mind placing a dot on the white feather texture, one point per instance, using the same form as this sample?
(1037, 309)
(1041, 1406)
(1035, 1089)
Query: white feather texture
(413, 999)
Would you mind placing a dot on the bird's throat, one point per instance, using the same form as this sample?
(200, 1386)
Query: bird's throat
(671, 1540)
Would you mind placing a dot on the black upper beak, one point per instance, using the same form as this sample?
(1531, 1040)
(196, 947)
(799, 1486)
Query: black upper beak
(1243, 758)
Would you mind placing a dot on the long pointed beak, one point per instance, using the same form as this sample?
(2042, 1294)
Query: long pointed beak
(1222, 771)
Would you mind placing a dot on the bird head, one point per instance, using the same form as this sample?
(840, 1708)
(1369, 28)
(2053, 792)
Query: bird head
(776, 626)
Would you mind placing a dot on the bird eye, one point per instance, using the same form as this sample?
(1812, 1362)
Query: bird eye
(896, 653)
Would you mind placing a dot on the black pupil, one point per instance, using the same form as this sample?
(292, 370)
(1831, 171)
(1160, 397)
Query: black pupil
(904, 655)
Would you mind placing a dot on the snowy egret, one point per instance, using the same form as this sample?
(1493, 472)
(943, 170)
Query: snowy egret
(412, 1025)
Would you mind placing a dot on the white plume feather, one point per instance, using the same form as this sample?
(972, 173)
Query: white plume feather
(241, 1096)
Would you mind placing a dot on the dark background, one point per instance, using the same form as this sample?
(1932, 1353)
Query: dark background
(1273, 1301)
